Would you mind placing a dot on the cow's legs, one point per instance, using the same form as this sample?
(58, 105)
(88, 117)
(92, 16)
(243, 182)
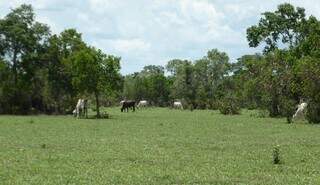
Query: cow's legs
(78, 113)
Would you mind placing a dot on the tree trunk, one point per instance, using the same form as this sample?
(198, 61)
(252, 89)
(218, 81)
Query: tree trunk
(97, 104)
(14, 68)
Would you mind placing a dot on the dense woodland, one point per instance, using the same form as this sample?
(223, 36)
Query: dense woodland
(42, 72)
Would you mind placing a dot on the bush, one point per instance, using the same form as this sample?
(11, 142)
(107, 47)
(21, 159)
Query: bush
(229, 105)
(287, 108)
(313, 112)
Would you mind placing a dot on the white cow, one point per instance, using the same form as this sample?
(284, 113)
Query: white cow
(142, 103)
(300, 111)
(81, 108)
(177, 105)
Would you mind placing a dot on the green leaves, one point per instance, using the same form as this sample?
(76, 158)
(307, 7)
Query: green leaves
(150, 84)
(290, 73)
(278, 29)
(93, 72)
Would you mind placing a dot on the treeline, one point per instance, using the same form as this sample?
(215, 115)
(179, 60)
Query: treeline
(286, 72)
(46, 73)
(198, 85)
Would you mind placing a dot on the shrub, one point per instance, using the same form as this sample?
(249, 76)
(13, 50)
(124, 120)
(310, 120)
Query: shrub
(287, 108)
(229, 105)
(276, 155)
(313, 112)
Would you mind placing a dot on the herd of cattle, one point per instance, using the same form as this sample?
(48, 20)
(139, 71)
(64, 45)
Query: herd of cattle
(81, 109)
(127, 104)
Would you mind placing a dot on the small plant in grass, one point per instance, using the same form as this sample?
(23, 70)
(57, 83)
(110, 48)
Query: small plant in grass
(43, 146)
(276, 155)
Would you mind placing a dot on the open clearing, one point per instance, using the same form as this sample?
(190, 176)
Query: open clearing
(157, 146)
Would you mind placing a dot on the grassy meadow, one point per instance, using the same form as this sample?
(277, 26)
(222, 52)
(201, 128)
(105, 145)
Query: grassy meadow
(157, 146)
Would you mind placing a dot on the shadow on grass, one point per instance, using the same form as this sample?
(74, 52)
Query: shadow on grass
(102, 116)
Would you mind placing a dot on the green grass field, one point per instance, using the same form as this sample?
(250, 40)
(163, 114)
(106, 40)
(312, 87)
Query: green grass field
(157, 146)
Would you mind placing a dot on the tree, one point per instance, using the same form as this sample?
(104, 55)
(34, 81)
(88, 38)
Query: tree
(246, 72)
(4, 85)
(292, 43)
(156, 84)
(94, 72)
(23, 41)
(173, 65)
(308, 70)
(210, 72)
(183, 86)
(284, 25)
(150, 84)
(60, 93)
(20, 36)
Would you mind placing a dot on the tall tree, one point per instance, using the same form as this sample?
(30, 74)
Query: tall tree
(21, 36)
(94, 72)
(60, 91)
(173, 65)
(23, 41)
(282, 27)
(291, 41)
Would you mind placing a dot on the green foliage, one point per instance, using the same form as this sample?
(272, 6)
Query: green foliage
(282, 25)
(183, 87)
(60, 94)
(93, 72)
(44, 73)
(276, 155)
(246, 72)
(291, 73)
(173, 65)
(313, 112)
(287, 107)
(34, 66)
(200, 83)
(308, 71)
(23, 41)
(150, 84)
(229, 105)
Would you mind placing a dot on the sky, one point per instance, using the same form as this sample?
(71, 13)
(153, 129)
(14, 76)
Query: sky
(152, 32)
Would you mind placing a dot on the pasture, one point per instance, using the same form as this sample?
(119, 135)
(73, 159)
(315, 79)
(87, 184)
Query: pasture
(157, 146)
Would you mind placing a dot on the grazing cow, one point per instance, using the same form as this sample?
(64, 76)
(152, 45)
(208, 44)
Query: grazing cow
(177, 105)
(128, 104)
(300, 111)
(81, 108)
(142, 103)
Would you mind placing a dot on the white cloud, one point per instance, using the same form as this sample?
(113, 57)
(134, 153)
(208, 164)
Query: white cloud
(130, 45)
(46, 20)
